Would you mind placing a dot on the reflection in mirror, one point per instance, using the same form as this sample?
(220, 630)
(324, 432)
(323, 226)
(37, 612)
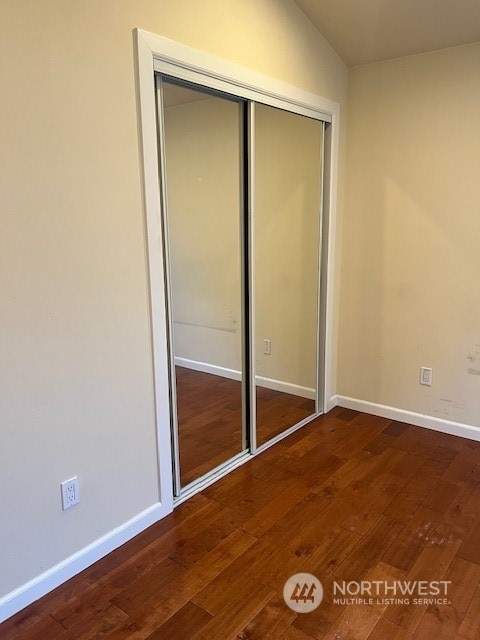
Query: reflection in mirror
(202, 151)
(288, 157)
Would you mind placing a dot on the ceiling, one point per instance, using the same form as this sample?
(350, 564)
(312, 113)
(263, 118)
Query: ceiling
(363, 31)
(174, 95)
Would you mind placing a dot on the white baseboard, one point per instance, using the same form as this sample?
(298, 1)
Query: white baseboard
(208, 368)
(285, 387)
(261, 381)
(410, 417)
(31, 591)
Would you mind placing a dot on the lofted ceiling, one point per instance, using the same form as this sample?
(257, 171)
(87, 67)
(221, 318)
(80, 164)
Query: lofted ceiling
(363, 31)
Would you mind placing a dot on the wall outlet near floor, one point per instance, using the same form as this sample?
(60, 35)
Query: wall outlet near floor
(267, 347)
(426, 375)
(70, 493)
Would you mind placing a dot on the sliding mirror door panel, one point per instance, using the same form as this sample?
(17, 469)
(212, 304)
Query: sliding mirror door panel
(288, 168)
(203, 161)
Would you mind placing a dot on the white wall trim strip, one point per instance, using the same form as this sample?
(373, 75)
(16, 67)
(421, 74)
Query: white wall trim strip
(285, 387)
(214, 369)
(410, 417)
(179, 60)
(261, 381)
(40, 585)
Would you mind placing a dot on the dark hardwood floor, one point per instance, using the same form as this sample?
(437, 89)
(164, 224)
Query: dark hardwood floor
(209, 410)
(210, 419)
(278, 411)
(348, 497)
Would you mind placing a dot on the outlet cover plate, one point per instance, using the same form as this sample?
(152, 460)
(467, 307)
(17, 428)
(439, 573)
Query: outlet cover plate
(426, 375)
(70, 493)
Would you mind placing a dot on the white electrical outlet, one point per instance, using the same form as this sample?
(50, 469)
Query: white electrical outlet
(426, 375)
(267, 347)
(70, 493)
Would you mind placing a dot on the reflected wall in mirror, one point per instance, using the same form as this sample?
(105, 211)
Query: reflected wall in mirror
(203, 172)
(288, 169)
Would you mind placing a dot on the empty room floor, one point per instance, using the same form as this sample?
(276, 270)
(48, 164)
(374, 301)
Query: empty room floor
(349, 497)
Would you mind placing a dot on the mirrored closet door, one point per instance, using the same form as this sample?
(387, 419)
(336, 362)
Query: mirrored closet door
(288, 194)
(203, 232)
(241, 187)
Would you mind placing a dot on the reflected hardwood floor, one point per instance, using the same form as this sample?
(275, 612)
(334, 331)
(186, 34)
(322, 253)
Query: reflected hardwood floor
(278, 411)
(210, 419)
(348, 497)
(209, 410)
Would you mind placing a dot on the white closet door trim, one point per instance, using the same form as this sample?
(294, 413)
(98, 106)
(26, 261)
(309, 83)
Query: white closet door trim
(192, 65)
(146, 108)
(155, 53)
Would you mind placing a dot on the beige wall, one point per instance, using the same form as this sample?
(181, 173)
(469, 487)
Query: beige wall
(76, 378)
(203, 182)
(287, 204)
(410, 285)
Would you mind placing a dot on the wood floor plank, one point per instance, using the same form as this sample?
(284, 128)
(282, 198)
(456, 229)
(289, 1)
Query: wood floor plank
(385, 630)
(292, 633)
(369, 550)
(442, 621)
(441, 496)
(189, 551)
(404, 551)
(462, 466)
(227, 586)
(358, 620)
(409, 464)
(359, 505)
(96, 627)
(147, 586)
(350, 470)
(312, 549)
(381, 442)
(432, 564)
(317, 623)
(361, 435)
(271, 622)
(347, 415)
(186, 623)
(237, 611)
(470, 549)
(44, 628)
(410, 499)
(157, 610)
(395, 428)
(276, 509)
(470, 626)
(418, 440)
